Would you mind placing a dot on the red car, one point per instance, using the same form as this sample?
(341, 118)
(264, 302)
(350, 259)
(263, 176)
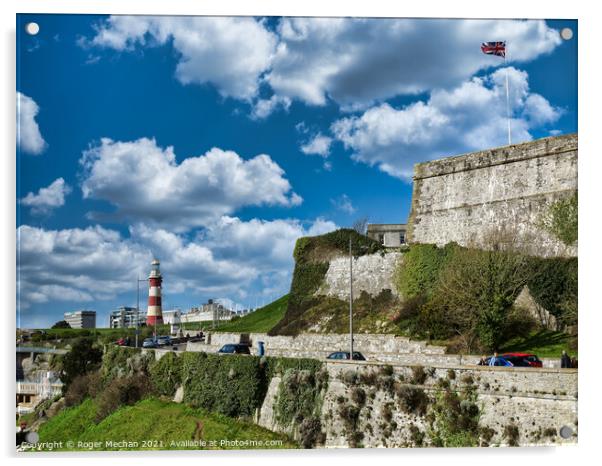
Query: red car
(523, 359)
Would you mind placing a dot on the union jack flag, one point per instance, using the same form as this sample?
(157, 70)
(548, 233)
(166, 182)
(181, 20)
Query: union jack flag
(494, 48)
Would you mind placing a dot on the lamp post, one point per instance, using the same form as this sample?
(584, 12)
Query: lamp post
(360, 248)
(350, 302)
(138, 280)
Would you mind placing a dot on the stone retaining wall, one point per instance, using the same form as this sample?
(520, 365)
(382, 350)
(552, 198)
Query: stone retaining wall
(537, 402)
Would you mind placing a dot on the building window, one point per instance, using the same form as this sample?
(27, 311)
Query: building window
(381, 238)
(402, 237)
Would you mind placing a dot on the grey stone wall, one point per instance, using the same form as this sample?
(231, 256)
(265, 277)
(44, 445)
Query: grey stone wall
(379, 347)
(466, 198)
(371, 273)
(538, 402)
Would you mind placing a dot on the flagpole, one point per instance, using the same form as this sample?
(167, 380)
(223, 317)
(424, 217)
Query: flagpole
(507, 98)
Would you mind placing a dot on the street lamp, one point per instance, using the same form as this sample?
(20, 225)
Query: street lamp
(350, 301)
(138, 306)
(361, 248)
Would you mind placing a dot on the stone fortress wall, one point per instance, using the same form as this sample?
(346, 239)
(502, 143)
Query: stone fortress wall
(465, 199)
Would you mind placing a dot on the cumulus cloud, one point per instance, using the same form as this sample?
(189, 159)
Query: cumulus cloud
(95, 263)
(356, 62)
(76, 264)
(469, 117)
(267, 244)
(229, 52)
(47, 199)
(153, 188)
(29, 138)
(353, 61)
(318, 145)
(343, 203)
(265, 107)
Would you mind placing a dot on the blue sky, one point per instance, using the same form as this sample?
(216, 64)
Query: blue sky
(213, 143)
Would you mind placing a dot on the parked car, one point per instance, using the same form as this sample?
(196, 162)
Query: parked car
(149, 343)
(500, 361)
(235, 348)
(120, 342)
(164, 341)
(341, 355)
(523, 359)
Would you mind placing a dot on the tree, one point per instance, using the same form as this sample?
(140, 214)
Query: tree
(61, 324)
(361, 225)
(83, 357)
(479, 288)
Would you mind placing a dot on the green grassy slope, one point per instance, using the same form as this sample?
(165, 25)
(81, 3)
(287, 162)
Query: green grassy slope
(544, 343)
(163, 422)
(260, 321)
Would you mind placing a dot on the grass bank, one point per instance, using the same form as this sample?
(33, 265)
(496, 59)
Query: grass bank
(260, 321)
(168, 425)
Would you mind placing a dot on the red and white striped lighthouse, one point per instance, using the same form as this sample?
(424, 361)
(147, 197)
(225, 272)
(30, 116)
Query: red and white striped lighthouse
(154, 314)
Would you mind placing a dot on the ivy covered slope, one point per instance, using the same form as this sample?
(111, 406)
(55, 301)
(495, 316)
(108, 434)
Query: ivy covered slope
(308, 312)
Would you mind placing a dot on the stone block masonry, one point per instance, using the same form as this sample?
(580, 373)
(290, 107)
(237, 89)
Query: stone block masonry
(465, 199)
(372, 273)
(536, 403)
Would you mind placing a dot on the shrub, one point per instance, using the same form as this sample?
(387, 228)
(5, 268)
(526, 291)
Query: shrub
(83, 357)
(81, 387)
(120, 361)
(454, 419)
(554, 287)
(561, 219)
(230, 385)
(299, 397)
(511, 433)
(413, 400)
(310, 432)
(419, 375)
(166, 374)
(122, 391)
(418, 274)
(358, 396)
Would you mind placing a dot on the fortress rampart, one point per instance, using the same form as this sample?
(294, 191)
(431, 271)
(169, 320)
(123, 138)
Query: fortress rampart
(467, 198)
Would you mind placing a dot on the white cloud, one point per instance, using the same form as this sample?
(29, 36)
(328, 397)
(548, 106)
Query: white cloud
(229, 52)
(268, 245)
(93, 264)
(265, 107)
(29, 138)
(469, 117)
(357, 62)
(48, 198)
(343, 203)
(318, 145)
(153, 188)
(75, 264)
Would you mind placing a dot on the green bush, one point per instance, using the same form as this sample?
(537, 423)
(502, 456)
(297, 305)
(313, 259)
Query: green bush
(122, 391)
(83, 357)
(230, 385)
(166, 374)
(554, 287)
(122, 361)
(561, 219)
(454, 419)
(418, 273)
(299, 397)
